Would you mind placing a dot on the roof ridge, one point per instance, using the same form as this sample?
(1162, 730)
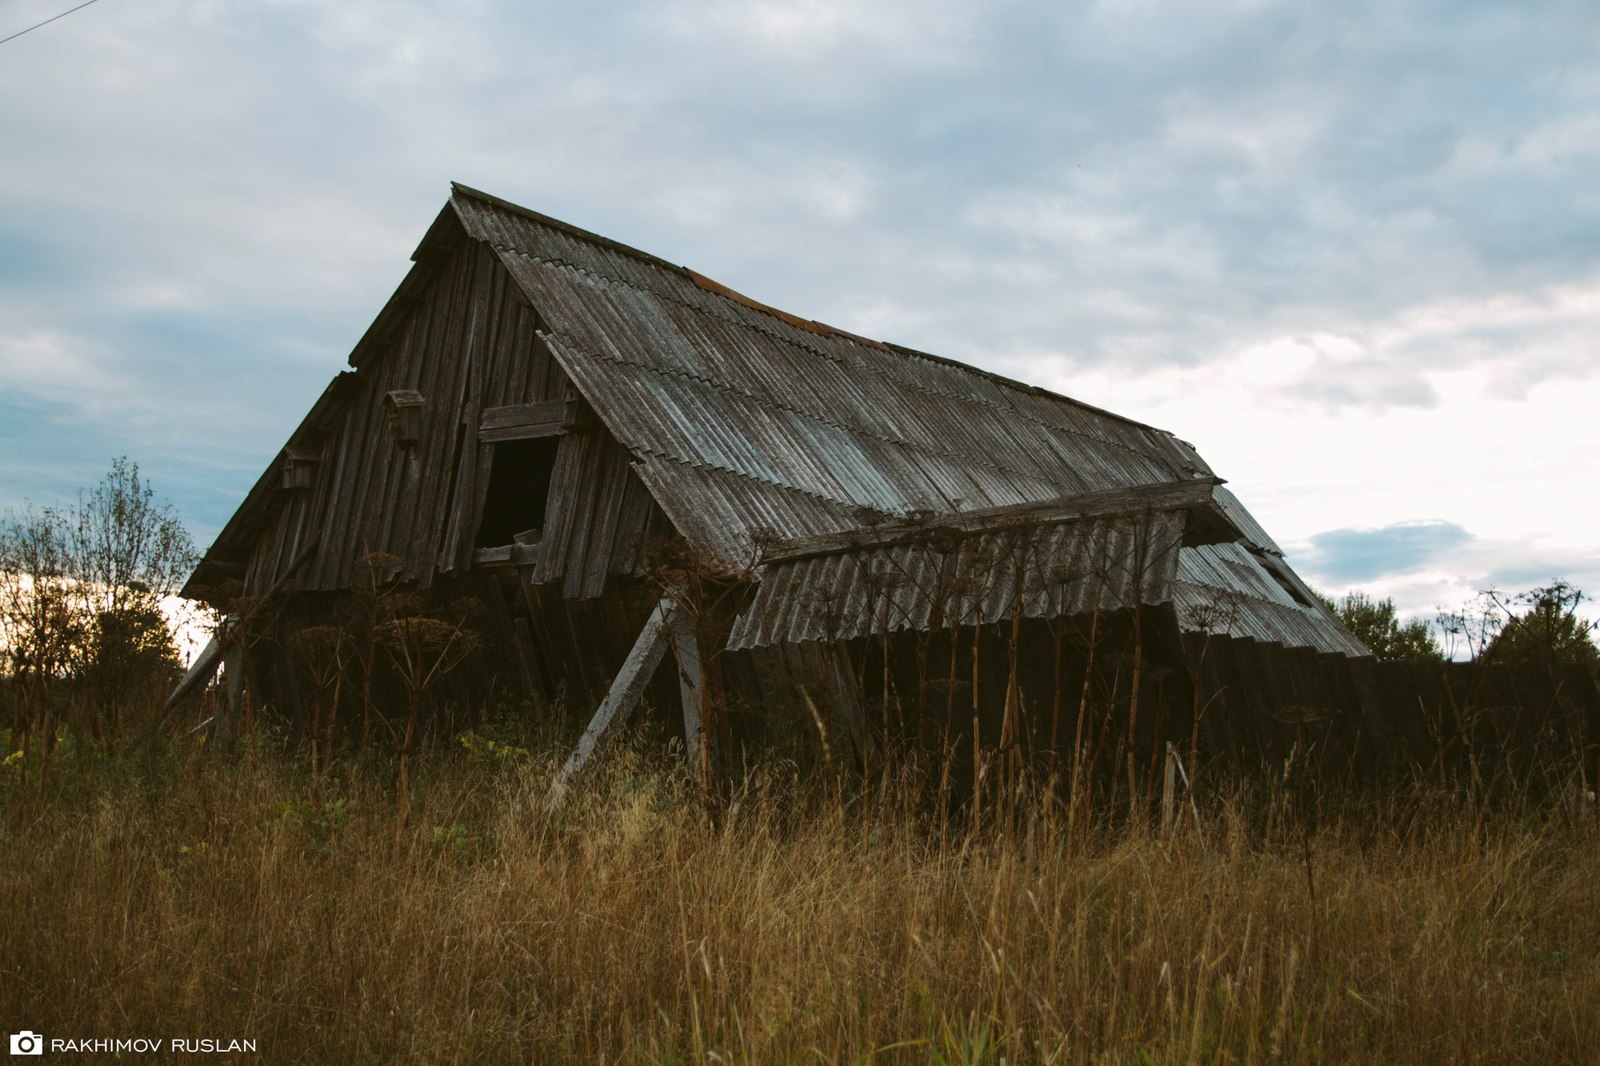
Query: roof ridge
(566, 227)
(710, 285)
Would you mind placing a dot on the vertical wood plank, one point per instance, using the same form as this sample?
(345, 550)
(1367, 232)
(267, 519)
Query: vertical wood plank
(698, 744)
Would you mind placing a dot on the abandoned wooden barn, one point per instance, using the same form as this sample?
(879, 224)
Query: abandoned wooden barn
(618, 462)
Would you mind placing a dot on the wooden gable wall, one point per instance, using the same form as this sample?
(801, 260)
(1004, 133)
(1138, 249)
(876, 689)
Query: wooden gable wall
(467, 343)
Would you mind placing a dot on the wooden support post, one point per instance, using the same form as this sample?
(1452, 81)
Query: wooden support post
(699, 742)
(621, 700)
(1169, 791)
(225, 723)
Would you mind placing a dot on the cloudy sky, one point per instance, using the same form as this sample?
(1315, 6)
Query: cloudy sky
(1351, 251)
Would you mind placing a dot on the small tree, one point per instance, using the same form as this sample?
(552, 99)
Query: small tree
(40, 625)
(1377, 624)
(125, 545)
(128, 660)
(127, 552)
(80, 600)
(1548, 631)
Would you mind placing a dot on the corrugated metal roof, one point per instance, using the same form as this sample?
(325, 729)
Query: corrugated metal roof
(678, 367)
(955, 578)
(1226, 589)
(1244, 521)
(1061, 569)
(726, 512)
(746, 418)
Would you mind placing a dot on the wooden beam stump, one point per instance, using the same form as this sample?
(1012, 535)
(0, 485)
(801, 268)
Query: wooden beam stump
(623, 698)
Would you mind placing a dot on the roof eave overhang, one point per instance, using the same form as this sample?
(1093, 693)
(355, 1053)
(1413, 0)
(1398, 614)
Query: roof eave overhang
(231, 550)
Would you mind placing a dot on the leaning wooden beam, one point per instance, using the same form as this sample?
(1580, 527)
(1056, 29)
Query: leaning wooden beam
(623, 698)
(205, 664)
(200, 671)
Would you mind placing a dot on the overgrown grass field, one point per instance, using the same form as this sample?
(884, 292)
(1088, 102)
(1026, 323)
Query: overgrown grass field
(177, 896)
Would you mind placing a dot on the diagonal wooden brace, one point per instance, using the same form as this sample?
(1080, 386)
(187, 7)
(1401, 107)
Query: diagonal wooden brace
(623, 698)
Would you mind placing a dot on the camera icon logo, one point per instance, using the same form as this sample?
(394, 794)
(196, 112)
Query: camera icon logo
(27, 1042)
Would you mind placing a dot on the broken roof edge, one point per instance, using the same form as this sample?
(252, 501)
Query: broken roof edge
(715, 287)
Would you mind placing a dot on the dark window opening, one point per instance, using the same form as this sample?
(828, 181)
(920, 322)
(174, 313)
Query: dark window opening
(519, 490)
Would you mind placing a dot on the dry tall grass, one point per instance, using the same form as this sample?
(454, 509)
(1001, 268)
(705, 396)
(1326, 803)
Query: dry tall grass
(256, 900)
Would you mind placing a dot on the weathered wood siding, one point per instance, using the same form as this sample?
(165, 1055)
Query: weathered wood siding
(467, 343)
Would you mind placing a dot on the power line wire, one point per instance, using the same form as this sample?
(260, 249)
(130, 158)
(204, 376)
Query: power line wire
(47, 21)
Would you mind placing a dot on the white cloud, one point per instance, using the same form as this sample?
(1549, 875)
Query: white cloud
(930, 32)
(60, 369)
(1266, 144)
